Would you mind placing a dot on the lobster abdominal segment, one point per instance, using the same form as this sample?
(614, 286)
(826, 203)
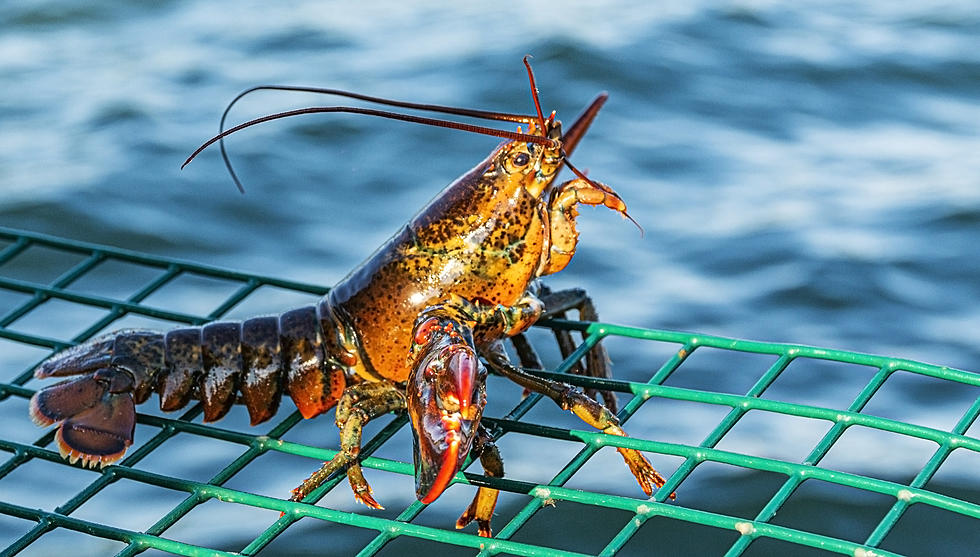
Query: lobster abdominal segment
(221, 363)
(261, 385)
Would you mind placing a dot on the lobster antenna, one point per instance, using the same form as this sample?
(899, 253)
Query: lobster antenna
(472, 113)
(534, 91)
(383, 114)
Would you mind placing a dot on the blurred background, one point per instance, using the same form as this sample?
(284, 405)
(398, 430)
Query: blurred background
(805, 173)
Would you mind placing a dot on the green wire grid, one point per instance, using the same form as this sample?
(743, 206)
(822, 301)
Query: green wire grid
(742, 534)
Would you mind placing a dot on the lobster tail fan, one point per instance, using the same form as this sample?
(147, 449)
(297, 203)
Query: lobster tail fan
(63, 400)
(95, 425)
(81, 358)
(101, 434)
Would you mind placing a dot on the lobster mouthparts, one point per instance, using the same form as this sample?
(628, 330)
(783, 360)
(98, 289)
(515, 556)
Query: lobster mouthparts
(446, 397)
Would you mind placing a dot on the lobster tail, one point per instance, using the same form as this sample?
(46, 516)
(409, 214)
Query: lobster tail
(253, 362)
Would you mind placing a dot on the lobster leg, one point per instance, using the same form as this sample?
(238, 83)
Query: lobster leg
(597, 363)
(562, 210)
(444, 373)
(481, 509)
(526, 353)
(490, 320)
(590, 411)
(360, 404)
(446, 395)
(446, 392)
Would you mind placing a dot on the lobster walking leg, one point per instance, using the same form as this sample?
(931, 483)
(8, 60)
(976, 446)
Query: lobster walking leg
(597, 362)
(481, 509)
(562, 211)
(590, 411)
(360, 404)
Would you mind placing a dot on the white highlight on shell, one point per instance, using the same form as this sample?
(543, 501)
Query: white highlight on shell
(475, 238)
(452, 270)
(419, 297)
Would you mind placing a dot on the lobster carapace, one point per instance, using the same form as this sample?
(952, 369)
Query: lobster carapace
(404, 331)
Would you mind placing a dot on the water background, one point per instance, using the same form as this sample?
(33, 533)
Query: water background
(804, 173)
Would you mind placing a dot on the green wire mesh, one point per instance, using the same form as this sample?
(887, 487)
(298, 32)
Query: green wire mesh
(64, 285)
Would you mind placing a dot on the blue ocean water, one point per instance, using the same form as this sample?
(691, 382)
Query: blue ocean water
(804, 172)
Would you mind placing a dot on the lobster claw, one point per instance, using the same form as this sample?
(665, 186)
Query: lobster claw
(446, 395)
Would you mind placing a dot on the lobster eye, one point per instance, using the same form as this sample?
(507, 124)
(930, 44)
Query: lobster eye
(521, 159)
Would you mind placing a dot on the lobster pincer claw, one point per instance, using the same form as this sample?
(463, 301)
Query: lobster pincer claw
(446, 395)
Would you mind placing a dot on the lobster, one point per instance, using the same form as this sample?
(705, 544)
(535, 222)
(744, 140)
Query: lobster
(408, 330)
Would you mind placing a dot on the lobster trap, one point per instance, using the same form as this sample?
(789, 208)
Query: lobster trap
(755, 439)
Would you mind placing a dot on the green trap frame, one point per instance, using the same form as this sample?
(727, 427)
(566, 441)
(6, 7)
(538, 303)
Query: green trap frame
(956, 501)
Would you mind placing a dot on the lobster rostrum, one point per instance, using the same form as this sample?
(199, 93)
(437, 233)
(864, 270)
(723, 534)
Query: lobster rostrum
(403, 332)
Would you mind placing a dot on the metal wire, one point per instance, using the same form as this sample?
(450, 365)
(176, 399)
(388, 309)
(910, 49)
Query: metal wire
(33, 294)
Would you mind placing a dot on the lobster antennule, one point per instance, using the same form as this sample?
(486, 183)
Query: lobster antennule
(534, 91)
(380, 113)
